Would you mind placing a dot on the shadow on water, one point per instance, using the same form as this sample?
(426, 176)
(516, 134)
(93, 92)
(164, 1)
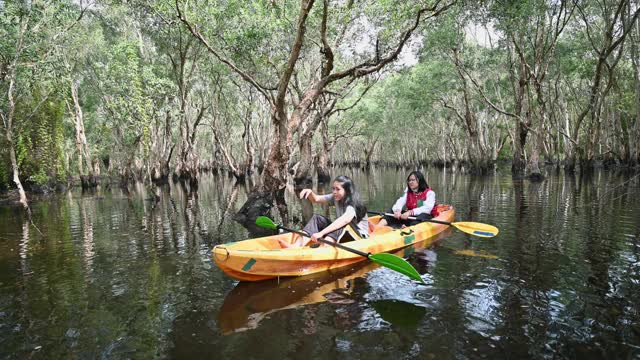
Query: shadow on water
(398, 313)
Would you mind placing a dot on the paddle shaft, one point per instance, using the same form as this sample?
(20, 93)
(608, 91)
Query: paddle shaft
(336, 244)
(473, 228)
(410, 217)
(390, 261)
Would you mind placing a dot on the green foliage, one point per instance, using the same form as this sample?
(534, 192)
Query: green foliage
(506, 153)
(124, 57)
(39, 145)
(122, 76)
(403, 101)
(31, 37)
(445, 34)
(574, 57)
(5, 165)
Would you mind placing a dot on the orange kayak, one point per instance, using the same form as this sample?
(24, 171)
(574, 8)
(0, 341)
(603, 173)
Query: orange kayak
(263, 258)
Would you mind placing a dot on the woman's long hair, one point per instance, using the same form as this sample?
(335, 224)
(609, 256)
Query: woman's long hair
(351, 196)
(422, 183)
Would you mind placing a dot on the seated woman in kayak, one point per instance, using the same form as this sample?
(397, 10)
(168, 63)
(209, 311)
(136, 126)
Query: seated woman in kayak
(418, 201)
(349, 211)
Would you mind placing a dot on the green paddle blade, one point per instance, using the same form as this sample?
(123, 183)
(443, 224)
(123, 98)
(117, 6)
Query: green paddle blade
(396, 263)
(476, 228)
(265, 222)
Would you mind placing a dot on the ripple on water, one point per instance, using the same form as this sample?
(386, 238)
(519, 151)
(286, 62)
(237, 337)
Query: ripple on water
(118, 289)
(481, 307)
(388, 284)
(567, 278)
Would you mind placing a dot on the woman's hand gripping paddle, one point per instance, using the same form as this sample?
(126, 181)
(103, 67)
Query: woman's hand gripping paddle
(473, 228)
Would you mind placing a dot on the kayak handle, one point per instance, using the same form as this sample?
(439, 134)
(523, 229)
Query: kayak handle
(221, 248)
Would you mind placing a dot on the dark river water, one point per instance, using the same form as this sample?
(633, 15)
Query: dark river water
(111, 275)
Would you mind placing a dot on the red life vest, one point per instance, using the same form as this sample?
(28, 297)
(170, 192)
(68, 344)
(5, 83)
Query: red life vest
(415, 200)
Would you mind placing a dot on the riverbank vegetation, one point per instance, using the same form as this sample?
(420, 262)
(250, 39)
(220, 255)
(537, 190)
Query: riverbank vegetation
(150, 90)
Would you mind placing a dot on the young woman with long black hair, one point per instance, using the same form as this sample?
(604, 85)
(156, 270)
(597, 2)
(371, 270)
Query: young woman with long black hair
(349, 211)
(418, 201)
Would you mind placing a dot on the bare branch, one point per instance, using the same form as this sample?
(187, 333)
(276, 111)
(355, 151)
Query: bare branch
(305, 7)
(360, 97)
(326, 49)
(455, 111)
(486, 99)
(371, 66)
(248, 78)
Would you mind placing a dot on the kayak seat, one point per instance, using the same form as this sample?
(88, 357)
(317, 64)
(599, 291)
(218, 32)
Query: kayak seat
(286, 241)
(349, 235)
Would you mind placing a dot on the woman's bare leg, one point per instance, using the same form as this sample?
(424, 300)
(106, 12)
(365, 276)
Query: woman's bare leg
(381, 223)
(300, 241)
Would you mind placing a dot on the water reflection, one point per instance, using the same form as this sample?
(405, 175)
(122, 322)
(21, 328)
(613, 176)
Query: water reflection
(88, 252)
(117, 274)
(250, 302)
(398, 313)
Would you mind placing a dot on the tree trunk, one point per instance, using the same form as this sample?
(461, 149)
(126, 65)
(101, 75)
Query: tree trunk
(519, 160)
(302, 177)
(634, 138)
(535, 49)
(533, 164)
(247, 167)
(189, 164)
(187, 168)
(14, 165)
(161, 170)
(476, 149)
(522, 123)
(227, 156)
(322, 156)
(8, 117)
(371, 147)
(274, 175)
(303, 174)
(617, 27)
(88, 180)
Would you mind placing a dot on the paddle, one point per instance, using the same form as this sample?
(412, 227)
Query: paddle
(387, 260)
(473, 228)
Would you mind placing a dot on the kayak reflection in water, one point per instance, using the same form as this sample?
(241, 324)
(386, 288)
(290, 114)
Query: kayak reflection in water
(251, 302)
(350, 211)
(418, 201)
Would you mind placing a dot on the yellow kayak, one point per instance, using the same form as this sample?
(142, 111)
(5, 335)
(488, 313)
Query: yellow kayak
(263, 258)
